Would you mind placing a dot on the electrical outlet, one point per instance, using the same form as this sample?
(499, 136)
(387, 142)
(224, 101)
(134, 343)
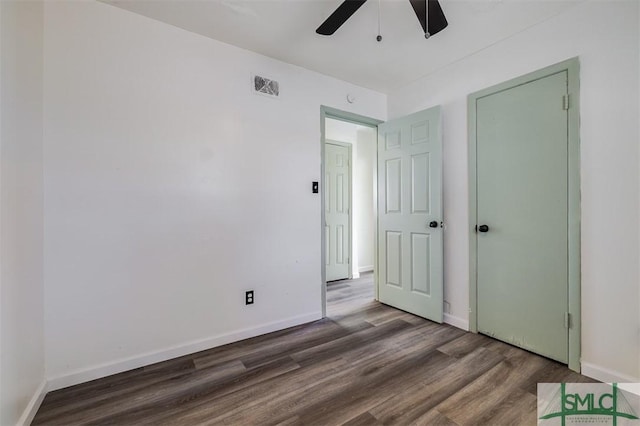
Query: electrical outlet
(248, 297)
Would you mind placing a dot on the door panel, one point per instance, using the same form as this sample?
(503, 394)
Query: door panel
(420, 282)
(420, 193)
(522, 196)
(394, 258)
(337, 197)
(393, 195)
(410, 252)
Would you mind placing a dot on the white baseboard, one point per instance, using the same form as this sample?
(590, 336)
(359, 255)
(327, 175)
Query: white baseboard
(630, 387)
(365, 269)
(456, 322)
(85, 375)
(34, 404)
(605, 375)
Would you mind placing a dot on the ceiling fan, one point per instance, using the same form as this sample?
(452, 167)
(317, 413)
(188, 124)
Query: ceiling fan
(429, 14)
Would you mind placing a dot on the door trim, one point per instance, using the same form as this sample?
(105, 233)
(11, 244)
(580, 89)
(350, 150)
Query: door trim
(328, 112)
(572, 68)
(350, 204)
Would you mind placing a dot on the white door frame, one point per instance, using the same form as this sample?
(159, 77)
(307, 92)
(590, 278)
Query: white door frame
(328, 112)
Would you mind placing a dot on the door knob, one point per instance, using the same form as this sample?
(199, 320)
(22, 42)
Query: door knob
(433, 224)
(483, 228)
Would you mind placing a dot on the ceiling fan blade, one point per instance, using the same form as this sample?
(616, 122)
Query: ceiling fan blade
(339, 16)
(437, 21)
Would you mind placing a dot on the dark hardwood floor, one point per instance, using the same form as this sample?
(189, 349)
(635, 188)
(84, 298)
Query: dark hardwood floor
(366, 364)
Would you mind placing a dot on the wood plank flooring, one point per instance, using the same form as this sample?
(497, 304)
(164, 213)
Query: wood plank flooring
(366, 364)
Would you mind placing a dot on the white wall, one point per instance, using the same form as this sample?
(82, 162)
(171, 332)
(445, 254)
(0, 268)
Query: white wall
(364, 197)
(171, 189)
(363, 140)
(639, 197)
(605, 37)
(21, 284)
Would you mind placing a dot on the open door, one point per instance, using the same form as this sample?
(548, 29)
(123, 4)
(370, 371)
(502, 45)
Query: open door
(410, 240)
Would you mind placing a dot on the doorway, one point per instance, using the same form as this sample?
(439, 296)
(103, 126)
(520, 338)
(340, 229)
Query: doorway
(359, 134)
(348, 189)
(524, 212)
(407, 205)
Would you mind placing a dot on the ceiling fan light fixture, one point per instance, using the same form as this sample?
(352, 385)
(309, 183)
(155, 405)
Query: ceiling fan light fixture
(429, 13)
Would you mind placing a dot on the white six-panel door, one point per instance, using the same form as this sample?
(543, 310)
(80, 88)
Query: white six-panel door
(337, 199)
(410, 240)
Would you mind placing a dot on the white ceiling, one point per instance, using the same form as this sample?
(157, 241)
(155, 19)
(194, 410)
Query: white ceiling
(285, 30)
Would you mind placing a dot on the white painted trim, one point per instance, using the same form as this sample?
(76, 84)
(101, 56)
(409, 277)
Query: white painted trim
(367, 268)
(34, 404)
(98, 371)
(456, 322)
(605, 375)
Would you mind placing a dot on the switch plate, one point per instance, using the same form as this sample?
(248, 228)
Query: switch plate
(314, 187)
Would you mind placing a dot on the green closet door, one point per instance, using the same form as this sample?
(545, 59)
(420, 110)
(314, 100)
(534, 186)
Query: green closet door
(522, 198)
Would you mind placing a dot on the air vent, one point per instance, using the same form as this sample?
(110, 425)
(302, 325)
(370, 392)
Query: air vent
(266, 86)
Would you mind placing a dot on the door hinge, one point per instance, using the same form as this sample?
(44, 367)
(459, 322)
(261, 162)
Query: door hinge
(567, 320)
(565, 102)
